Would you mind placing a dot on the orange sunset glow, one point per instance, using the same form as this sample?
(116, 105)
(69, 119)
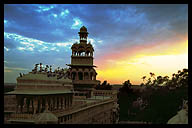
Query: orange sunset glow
(129, 41)
(161, 59)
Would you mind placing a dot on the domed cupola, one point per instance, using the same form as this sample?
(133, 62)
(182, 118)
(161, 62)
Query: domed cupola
(83, 34)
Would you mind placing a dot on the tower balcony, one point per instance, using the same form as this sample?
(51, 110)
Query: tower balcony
(86, 82)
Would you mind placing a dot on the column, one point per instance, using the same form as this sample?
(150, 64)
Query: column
(55, 103)
(46, 103)
(51, 104)
(63, 102)
(18, 104)
(77, 76)
(71, 100)
(40, 106)
(88, 75)
(28, 104)
(24, 104)
(35, 105)
(59, 103)
(66, 102)
(41, 99)
(21, 103)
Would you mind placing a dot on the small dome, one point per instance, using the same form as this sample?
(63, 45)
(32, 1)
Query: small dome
(83, 29)
(46, 116)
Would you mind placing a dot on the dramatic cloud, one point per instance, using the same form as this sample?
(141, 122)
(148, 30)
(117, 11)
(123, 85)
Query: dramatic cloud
(35, 33)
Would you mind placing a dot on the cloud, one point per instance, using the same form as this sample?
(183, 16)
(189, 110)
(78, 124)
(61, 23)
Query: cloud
(64, 44)
(5, 21)
(30, 44)
(77, 23)
(64, 13)
(14, 68)
(42, 8)
(6, 49)
(21, 48)
(45, 32)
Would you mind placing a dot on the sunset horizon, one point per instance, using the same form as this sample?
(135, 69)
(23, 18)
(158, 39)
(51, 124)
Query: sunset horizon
(129, 41)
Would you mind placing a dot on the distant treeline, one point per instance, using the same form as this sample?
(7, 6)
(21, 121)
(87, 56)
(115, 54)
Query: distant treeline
(161, 97)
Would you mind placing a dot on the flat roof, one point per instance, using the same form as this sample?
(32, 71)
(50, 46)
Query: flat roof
(37, 92)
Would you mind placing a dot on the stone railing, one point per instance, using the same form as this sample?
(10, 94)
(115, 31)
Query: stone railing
(79, 107)
(91, 82)
(21, 116)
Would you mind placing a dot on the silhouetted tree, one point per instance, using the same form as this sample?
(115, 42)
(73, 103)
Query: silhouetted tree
(104, 83)
(104, 86)
(144, 77)
(126, 87)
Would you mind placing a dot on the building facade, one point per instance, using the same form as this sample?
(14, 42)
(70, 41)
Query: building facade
(81, 69)
(62, 97)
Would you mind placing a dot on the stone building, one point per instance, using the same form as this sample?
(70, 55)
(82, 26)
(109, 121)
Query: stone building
(62, 97)
(81, 69)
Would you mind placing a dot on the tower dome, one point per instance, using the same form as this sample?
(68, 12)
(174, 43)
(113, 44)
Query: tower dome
(83, 34)
(83, 29)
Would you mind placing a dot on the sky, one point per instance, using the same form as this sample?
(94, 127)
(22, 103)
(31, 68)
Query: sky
(130, 40)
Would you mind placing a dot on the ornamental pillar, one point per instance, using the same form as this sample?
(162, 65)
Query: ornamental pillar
(46, 104)
(88, 75)
(18, 107)
(21, 103)
(35, 103)
(59, 103)
(64, 102)
(55, 103)
(40, 105)
(77, 76)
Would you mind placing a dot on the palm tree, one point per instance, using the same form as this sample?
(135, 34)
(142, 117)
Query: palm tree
(165, 80)
(152, 75)
(155, 80)
(148, 82)
(159, 80)
(144, 77)
(183, 78)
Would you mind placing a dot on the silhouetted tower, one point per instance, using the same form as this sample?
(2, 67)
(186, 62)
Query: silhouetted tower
(81, 69)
